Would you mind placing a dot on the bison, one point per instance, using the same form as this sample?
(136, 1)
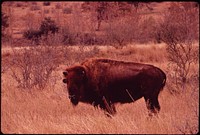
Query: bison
(104, 82)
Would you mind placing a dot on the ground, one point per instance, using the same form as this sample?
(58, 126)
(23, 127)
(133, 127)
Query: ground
(50, 111)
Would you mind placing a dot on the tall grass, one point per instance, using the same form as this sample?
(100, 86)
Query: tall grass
(49, 110)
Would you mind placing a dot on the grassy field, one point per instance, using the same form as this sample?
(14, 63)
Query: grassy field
(49, 110)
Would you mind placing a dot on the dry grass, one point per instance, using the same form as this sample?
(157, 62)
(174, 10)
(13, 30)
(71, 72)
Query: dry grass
(30, 14)
(49, 111)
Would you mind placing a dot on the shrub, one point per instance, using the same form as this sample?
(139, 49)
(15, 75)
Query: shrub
(52, 39)
(46, 3)
(35, 7)
(67, 10)
(33, 35)
(19, 4)
(32, 67)
(68, 37)
(88, 39)
(58, 6)
(179, 31)
(47, 26)
(122, 31)
(147, 29)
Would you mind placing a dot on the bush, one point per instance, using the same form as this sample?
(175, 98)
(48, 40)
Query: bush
(88, 39)
(122, 31)
(46, 3)
(68, 37)
(67, 10)
(32, 67)
(52, 39)
(19, 4)
(33, 35)
(47, 26)
(147, 30)
(179, 31)
(58, 6)
(35, 7)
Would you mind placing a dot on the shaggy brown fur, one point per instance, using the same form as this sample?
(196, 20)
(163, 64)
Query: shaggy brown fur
(104, 82)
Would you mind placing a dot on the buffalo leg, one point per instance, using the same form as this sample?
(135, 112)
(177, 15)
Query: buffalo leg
(152, 104)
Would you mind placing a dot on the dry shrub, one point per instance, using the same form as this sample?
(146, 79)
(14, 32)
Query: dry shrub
(69, 38)
(67, 10)
(122, 31)
(32, 67)
(76, 54)
(179, 32)
(48, 30)
(50, 112)
(20, 4)
(46, 3)
(58, 6)
(31, 21)
(35, 7)
(147, 27)
(52, 39)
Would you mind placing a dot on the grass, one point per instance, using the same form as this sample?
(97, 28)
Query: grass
(49, 111)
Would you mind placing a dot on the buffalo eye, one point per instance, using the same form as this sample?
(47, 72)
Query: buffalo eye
(64, 80)
(83, 73)
(65, 73)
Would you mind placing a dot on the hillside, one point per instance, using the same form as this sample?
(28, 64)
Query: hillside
(29, 14)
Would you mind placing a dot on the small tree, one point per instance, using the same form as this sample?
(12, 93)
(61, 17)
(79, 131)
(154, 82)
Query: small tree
(179, 30)
(104, 11)
(47, 26)
(123, 31)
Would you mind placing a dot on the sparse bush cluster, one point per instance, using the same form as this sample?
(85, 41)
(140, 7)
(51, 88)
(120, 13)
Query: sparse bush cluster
(76, 34)
(81, 39)
(179, 30)
(123, 26)
(32, 67)
(119, 24)
(47, 26)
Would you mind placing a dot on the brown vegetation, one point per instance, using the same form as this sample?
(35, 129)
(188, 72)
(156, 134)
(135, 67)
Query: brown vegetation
(49, 110)
(33, 96)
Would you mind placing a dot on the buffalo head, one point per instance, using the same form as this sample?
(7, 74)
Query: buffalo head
(74, 78)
